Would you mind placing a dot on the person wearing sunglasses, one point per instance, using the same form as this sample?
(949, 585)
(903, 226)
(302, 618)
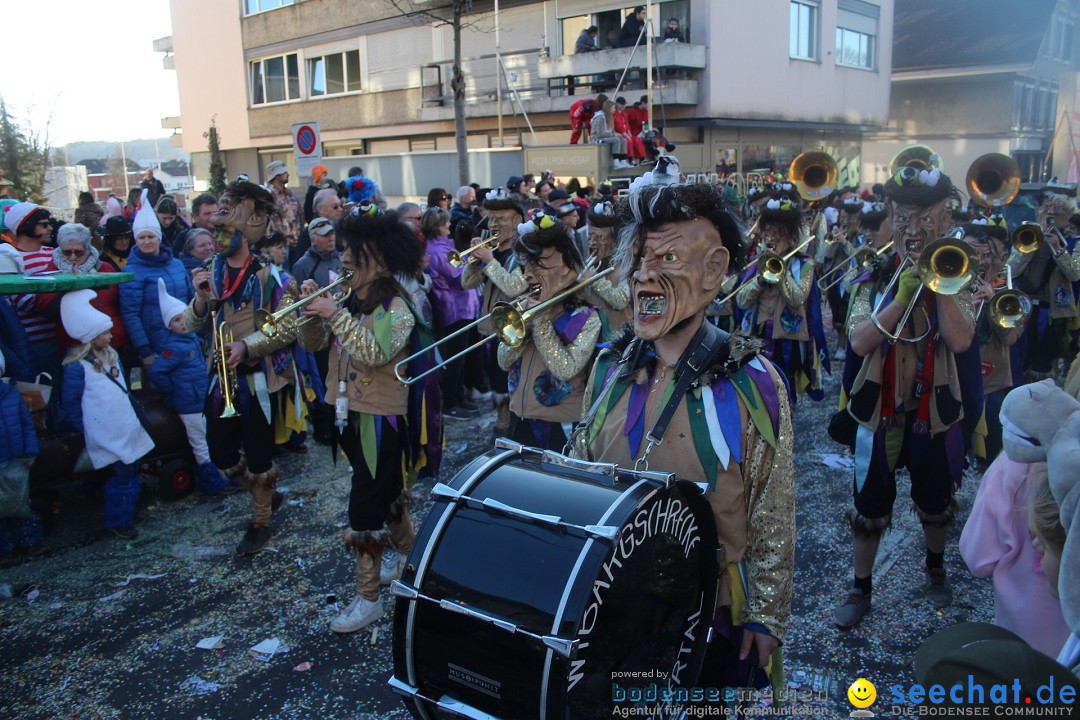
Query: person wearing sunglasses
(439, 198)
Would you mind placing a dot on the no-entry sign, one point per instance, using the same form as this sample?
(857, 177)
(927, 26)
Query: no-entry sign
(307, 147)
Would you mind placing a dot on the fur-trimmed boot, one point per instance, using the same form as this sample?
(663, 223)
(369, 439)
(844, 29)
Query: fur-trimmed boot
(402, 536)
(262, 506)
(366, 607)
(938, 587)
(502, 416)
(236, 476)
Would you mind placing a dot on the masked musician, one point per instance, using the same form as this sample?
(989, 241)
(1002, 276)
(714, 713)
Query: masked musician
(1047, 276)
(786, 313)
(835, 255)
(611, 297)
(989, 237)
(729, 423)
(547, 372)
(501, 277)
(237, 284)
(906, 397)
(369, 337)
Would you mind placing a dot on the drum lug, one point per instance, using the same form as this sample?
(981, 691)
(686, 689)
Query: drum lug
(401, 590)
(507, 444)
(597, 468)
(442, 491)
(566, 648)
(608, 532)
(492, 504)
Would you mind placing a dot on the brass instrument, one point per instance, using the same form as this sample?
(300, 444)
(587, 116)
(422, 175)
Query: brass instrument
(1027, 237)
(946, 266)
(1009, 307)
(814, 174)
(509, 322)
(222, 336)
(993, 180)
(770, 268)
(457, 259)
(916, 157)
(268, 322)
(864, 257)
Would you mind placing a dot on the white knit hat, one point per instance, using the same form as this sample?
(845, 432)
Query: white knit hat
(145, 219)
(170, 306)
(82, 321)
(15, 215)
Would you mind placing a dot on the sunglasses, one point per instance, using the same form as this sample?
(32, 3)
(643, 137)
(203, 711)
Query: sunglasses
(73, 252)
(447, 197)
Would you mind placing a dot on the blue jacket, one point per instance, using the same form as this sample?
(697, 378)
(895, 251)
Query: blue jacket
(71, 392)
(21, 362)
(180, 372)
(17, 435)
(139, 298)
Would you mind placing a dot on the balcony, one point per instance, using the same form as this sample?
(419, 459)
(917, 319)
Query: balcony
(547, 84)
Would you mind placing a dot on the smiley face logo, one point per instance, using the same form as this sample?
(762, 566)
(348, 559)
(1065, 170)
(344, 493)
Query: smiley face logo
(862, 693)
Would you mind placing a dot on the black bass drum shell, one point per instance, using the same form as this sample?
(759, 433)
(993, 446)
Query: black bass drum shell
(639, 605)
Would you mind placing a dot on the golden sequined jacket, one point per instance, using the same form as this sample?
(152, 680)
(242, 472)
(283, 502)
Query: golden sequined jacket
(499, 283)
(753, 501)
(771, 302)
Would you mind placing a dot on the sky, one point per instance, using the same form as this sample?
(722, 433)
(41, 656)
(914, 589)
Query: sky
(91, 65)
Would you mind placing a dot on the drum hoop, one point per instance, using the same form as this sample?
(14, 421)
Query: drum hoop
(425, 560)
(625, 497)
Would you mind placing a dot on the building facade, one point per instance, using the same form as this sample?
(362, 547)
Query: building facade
(753, 84)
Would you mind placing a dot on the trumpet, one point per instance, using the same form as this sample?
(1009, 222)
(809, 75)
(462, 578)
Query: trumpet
(509, 321)
(457, 259)
(864, 257)
(946, 266)
(770, 268)
(1028, 237)
(222, 336)
(268, 322)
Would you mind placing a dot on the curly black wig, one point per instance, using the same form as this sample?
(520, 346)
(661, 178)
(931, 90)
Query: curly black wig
(655, 205)
(385, 239)
(532, 244)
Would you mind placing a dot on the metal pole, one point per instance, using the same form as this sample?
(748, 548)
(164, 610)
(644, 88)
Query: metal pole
(498, 76)
(648, 59)
(123, 159)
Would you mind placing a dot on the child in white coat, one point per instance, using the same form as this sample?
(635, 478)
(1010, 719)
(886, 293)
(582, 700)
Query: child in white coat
(95, 399)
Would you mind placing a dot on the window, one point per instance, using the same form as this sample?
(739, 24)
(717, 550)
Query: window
(275, 79)
(1061, 32)
(856, 34)
(803, 40)
(334, 74)
(257, 6)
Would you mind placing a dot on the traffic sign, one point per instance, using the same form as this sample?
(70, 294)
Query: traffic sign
(307, 147)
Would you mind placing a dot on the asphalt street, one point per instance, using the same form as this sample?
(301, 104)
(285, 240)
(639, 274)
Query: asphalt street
(103, 628)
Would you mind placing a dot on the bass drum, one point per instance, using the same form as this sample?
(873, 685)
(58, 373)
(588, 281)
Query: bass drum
(542, 587)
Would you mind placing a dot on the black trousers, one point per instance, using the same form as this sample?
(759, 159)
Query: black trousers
(250, 431)
(370, 497)
(451, 380)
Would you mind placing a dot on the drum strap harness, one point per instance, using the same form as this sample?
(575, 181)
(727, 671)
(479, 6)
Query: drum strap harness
(709, 343)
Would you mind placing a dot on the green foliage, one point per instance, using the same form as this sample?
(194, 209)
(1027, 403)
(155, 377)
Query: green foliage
(217, 163)
(23, 157)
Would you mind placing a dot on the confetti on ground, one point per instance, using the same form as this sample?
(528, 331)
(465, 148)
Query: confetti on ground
(838, 462)
(114, 596)
(197, 686)
(210, 643)
(138, 576)
(303, 667)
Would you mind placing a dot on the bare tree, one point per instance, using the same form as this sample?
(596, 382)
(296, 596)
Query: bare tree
(452, 14)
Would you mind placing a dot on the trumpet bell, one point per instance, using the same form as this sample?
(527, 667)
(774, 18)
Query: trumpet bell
(1027, 237)
(814, 174)
(948, 265)
(993, 180)
(1010, 308)
(919, 157)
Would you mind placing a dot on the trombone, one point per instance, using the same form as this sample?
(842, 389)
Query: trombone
(509, 322)
(993, 180)
(1009, 308)
(814, 174)
(946, 266)
(1027, 237)
(268, 322)
(222, 336)
(456, 259)
(864, 257)
(770, 268)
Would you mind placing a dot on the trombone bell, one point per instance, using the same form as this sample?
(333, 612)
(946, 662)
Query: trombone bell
(993, 180)
(814, 174)
(919, 157)
(1027, 237)
(1010, 308)
(948, 265)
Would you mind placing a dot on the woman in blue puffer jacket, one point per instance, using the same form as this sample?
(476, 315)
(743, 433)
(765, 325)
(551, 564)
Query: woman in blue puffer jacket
(150, 260)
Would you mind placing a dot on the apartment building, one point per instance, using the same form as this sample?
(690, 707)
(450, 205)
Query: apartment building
(977, 76)
(754, 83)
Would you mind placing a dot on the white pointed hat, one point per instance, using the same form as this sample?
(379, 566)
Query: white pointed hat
(82, 321)
(145, 219)
(170, 306)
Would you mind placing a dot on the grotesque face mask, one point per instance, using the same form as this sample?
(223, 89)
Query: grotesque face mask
(546, 274)
(678, 272)
(777, 238)
(505, 223)
(238, 221)
(991, 256)
(601, 242)
(915, 227)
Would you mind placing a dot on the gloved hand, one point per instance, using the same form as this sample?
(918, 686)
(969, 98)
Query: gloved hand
(907, 286)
